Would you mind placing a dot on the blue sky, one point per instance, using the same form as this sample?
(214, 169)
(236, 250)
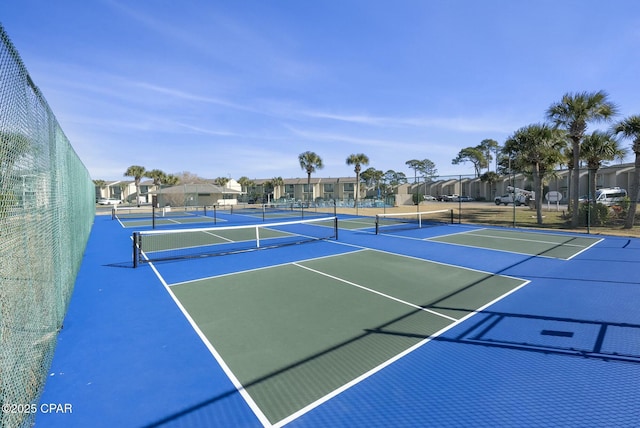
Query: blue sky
(241, 88)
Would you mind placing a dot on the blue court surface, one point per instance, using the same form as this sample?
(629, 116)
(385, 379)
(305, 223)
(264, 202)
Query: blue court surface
(448, 325)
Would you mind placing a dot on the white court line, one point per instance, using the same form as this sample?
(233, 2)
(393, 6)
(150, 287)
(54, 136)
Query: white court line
(242, 391)
(218, 236)
(387, 363)
(357, 221)
(432, 239)
(376, 292)
(262, 268)
(525, 240)
(234, 380)
(586, 248)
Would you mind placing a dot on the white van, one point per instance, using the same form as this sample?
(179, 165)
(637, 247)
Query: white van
(610, 195)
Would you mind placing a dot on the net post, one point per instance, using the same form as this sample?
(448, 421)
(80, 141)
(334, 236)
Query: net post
(377, 224)
(335, 227)
(264, 214)
(135, 249)
(113, 213)
(419, 220)
(257, 237)
(451, 215)
(215, 215)
(204, 209)
(153, 216)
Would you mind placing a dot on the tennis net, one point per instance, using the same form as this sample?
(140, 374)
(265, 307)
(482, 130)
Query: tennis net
(411, 220)
(175, 244)
(179, 214)
(276, 210)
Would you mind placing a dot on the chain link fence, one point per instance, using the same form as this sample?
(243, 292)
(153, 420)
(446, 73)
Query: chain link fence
(47, 208)
(510, 200)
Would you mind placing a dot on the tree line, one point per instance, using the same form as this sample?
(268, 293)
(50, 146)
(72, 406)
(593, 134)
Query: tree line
(536, 150)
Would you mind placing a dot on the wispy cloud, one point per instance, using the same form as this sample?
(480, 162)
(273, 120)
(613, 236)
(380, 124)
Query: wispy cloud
(394, 145)
(218, 36)
(176, 93)
(206, 131)
(460, 124)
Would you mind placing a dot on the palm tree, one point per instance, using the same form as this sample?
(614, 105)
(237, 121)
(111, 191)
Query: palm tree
(630, 128)
(100, 184)
(598, 147)
(538, 149)
(245, 183)
(310, 162)
(158, 176)
(123, 187)
(573, 113)
(137, 172)
(171, 180)
(277, 182)
(221, 181)
(358, 160)
(491, 178)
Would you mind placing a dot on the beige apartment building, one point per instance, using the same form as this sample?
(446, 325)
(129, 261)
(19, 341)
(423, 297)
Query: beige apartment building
(343, 188)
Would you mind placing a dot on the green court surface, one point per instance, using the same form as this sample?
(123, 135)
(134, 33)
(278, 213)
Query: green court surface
(167, 221)
(207, 237)
(535, 244)
(276, 214)
(293, 335)
(357, 223)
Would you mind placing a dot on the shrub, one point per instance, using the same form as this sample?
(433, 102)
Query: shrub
(595, 215)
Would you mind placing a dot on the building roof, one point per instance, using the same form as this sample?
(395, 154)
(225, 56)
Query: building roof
(196, 188)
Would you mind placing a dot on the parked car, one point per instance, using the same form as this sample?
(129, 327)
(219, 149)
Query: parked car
(429, 198)
(463, 198)
(610, 196)
(449, 198)
(108, 201)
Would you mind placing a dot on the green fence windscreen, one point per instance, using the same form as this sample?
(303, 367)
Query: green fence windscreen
(47, 206)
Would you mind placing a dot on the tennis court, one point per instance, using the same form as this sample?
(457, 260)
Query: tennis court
(422, 324)
(540, 244)
(171, 217)
(142, 217)
(321, 324)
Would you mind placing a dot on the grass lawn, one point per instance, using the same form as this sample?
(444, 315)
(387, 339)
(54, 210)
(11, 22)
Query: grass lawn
(499, 215)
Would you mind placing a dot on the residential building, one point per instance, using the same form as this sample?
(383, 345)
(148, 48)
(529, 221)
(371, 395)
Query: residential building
(343, 188)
